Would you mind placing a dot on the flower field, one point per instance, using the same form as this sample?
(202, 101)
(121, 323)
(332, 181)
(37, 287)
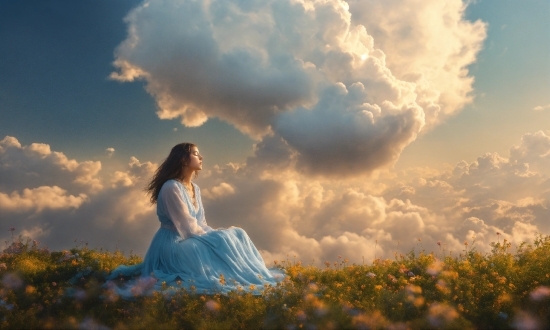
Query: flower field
(502, 289)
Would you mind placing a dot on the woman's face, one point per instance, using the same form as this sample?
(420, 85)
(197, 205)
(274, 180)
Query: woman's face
(195, 160)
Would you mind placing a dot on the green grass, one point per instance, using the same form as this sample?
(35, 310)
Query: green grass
(497, 290)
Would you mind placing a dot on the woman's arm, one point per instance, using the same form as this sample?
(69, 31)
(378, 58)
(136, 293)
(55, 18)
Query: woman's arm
(176, 209)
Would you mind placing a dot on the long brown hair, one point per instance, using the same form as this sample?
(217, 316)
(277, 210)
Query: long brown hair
(171, 168)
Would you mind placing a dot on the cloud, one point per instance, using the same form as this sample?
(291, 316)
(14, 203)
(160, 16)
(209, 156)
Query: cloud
(533, 151)
(36, 165)
(40, 198)
(135, 173)
(314, 219)
(110, 152)
(290, 214)
(428, 43)
(541, 107)
(223, 189)
(345, 135)
(302, 218)
(197, 70)
(343, 86)
(492, 194)
(50, 197)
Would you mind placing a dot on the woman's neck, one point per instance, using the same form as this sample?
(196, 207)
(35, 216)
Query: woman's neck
(186, 177)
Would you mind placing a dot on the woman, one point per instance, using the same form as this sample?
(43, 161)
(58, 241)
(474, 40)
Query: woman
(185, 250)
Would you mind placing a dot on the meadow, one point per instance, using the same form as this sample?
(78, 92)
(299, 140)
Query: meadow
(501, 289)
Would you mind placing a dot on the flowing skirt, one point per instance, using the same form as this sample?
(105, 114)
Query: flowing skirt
(216, 262)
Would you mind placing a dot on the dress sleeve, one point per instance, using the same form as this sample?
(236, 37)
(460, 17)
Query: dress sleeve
(177, 211)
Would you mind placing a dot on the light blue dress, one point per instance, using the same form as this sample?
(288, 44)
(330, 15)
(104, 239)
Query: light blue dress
(186, 252)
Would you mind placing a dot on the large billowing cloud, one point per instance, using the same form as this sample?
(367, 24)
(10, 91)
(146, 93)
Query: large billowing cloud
(204, 59)
(345, 86)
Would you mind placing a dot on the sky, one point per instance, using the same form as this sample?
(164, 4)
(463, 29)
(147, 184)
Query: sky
(358, 129)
